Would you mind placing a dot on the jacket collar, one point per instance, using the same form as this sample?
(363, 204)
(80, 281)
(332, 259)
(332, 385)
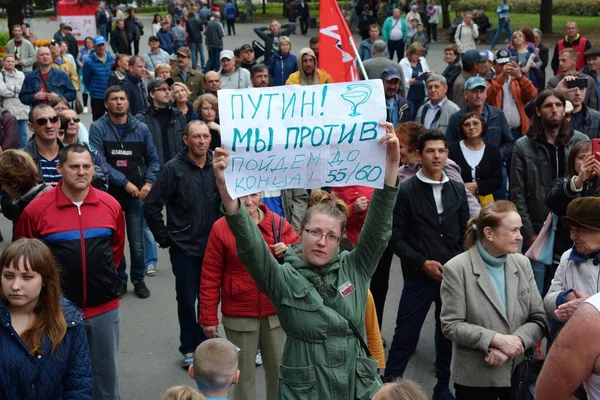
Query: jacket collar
(64, 201)
(485, 283)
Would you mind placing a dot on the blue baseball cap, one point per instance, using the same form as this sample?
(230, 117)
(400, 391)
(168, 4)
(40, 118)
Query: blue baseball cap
(475, 82)
(98, 40)
(389, 73)
(472, 57)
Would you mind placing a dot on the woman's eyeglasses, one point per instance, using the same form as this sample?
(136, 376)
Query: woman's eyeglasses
(470, 124)
(317, 235)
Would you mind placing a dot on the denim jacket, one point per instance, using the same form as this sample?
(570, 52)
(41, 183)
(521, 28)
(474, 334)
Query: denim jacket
(58, 82)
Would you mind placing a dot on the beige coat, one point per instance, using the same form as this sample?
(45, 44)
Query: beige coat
(472, 314)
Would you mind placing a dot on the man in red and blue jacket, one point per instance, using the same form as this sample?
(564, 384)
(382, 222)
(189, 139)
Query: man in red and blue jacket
(85, 229)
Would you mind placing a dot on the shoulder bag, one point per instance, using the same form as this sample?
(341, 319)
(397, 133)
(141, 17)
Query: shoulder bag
(525, 374)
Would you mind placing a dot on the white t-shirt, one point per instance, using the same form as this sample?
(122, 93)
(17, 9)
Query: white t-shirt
(396, 32)
(472, 157)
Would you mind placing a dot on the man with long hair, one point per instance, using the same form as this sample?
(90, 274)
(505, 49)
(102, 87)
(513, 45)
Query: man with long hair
(537, 159)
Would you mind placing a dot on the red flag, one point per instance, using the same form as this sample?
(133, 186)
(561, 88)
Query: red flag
(335, 47)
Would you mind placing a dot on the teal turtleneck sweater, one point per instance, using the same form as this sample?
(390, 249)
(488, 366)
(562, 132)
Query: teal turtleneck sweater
(495, 268)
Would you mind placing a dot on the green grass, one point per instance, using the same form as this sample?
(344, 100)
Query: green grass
(586, 24)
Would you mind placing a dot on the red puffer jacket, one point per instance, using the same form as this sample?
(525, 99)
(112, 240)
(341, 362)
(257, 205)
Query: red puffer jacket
(225, 278)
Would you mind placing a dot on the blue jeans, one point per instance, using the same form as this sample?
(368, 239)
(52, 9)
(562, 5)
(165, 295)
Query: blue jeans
(196, 48)
(150, 250)
(134, 221)
(187, 270)
(502, 25)
(417, 296)
(23, 130)
(214, 63)
(103, 338)
(177, 44)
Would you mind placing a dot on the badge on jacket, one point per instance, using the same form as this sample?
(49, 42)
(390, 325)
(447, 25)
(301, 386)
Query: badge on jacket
(346, 289)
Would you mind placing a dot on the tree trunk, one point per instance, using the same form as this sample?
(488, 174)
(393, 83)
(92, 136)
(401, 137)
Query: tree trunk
(14, 15)
(446, 14)
(546, 16)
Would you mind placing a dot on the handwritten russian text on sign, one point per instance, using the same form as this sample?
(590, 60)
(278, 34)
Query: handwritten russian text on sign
(303, 136)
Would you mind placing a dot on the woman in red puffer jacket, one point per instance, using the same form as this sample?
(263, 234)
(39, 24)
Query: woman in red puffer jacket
(249, 317)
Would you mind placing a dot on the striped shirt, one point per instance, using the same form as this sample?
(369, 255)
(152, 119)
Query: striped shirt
(49, 173)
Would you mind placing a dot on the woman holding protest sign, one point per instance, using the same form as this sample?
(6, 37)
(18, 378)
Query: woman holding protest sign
(313, 289)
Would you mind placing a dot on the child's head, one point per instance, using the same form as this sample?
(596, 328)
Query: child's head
(420, 27)
(215, 367)
(182, 393)
(401, 390)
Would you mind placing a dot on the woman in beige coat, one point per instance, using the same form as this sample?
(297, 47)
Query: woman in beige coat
(488, 294)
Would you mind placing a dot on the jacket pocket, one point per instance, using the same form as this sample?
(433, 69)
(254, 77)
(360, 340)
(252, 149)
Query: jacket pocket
(367, 381)
(297, 383)
(303, 297)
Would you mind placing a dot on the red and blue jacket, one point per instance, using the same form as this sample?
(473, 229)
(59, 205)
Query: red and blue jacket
(87, 242)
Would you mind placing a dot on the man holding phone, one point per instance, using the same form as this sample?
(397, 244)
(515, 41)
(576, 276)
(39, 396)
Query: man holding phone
(510, 91)
(568, 63)
(584, 119)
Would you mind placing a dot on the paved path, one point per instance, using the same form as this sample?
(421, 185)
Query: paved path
(149, 359)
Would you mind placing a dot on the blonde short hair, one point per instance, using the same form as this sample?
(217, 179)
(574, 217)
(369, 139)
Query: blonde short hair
(160, 67)
(181, 85)
(284, 39)
(182, 393)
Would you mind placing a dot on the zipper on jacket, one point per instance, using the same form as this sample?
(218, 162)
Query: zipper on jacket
(83, 260)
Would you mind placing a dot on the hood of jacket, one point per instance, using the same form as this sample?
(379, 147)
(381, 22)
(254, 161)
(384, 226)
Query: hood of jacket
(33, 193)
(304, 80)
(294, 256)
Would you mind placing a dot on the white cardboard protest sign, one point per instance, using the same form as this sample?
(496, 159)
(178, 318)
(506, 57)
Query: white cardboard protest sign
(303, 136)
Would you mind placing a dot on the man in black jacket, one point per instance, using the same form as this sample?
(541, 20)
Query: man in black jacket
(167, 123)
(194, 28)
(304, 15)
(135, 30)
(188, 187)
(134, 86)
(430, 218)
(118, 39)
(71, 41)
(271, 36)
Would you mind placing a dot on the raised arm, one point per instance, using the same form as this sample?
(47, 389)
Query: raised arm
(252, 249)
(377, 230)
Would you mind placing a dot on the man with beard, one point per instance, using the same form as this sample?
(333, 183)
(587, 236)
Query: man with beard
(247, 57)
(188, 187)
(259, 76)
(127, 147)
(398, 109)
(538, 158)
(308, 73)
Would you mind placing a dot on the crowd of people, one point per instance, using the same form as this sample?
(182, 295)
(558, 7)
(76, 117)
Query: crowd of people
(490, 202)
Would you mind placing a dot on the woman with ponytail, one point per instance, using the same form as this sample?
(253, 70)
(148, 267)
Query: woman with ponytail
(44, 352)
(488, 296)
(320, 293)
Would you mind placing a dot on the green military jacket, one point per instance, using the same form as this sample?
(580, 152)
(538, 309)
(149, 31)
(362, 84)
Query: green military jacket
(322, 358)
